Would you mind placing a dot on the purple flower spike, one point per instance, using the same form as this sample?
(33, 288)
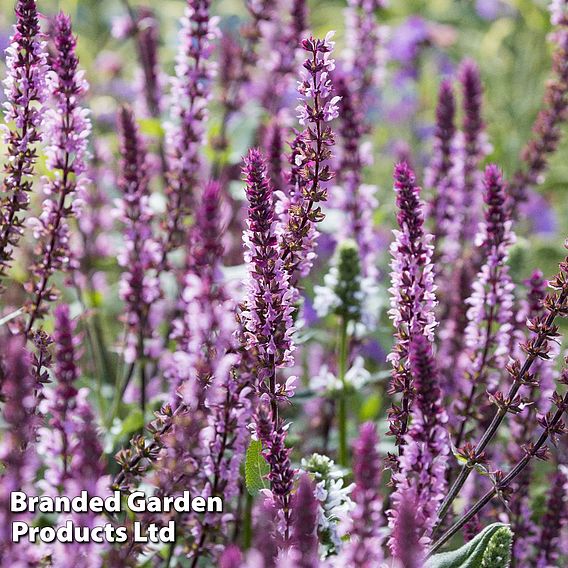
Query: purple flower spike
(139, 285)
(26, 93)
(366, 53)
(272, 434)
(555, 519)
(268, 309)
(365, 547)
(423, 464)
(407, 548)
(232, 557)
(439, 175)
(412, 292)
(490, 313)
(191, 92)
(358, 200)
(473, 148)
(67, 131)
(304, 525)
(442, 159)
(206, 325)
(16, 450)
(60, 402)
(148, 38)
(310, 154)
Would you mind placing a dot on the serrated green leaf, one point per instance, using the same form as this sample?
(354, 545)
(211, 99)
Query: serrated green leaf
(470, 555)
(256, 468)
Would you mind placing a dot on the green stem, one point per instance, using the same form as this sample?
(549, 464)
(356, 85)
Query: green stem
(247, 521)
(342, 411)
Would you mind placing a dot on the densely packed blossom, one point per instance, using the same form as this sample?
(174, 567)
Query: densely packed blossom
(268, 308)
(489, 314)
(412, 292)
(190, 93)
(423, 464)
(67, 128)
(25, 90)
(139, 287)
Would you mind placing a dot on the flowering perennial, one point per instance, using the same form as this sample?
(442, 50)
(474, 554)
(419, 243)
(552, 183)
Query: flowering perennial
(224, 324)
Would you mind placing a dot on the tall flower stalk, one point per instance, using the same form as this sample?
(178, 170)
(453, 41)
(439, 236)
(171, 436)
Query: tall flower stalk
(544, 331)
(422, 475)
(440, 173)
(412, 294)
(490, 305)
(139, 285)
(546, 134)
(60, 402)
(472, 148)
(311, 154)
(67, 128)
(190, 95)
(272, 431)
(206, 366)
(268, 308)
(358, 199)
(364, 547)
(366, 53)
(268, 325)
(26, 93)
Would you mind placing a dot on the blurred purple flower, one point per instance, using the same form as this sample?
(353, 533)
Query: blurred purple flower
(540, 213)
(492, 9)
(407, 39)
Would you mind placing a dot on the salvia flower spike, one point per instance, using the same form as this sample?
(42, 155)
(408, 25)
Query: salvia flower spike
(26, 92)
(67, 127)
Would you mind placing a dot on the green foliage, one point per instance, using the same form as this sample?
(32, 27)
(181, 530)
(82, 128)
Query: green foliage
(482, 551)
(256, 468)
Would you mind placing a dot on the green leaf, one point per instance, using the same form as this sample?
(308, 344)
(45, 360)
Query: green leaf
(472, 554)
(151, 127)
(132, 423)
(371, 408)
(256, 468)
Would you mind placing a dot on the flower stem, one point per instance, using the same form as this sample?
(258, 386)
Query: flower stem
(247, 521)
(342, 411)
(555, 305)
(530, 453)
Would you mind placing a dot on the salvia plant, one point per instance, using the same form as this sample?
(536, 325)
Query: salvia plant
(209, 286)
